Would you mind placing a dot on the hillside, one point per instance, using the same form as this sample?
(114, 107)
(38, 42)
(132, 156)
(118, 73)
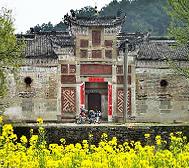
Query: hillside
(142, 15)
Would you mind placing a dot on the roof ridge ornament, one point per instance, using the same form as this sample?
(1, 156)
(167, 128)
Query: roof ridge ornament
(96, 12)
(119, 12)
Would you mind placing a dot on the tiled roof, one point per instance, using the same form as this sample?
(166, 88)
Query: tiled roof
(92, 21)
(161, 51)
(41, 44)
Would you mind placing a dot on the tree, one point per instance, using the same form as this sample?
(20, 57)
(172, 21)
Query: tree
(179, 30)
(10, 49)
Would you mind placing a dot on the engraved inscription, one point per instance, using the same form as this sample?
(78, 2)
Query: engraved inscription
(96, 37)
(96, 54)
(64, 68)
(95, 69)
(68, 79)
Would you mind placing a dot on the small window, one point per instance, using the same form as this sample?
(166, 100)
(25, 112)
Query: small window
(163, 83)
(28, 80)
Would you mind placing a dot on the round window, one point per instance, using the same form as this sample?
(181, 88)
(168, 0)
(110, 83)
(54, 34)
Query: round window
(163, 83)
(28, 80)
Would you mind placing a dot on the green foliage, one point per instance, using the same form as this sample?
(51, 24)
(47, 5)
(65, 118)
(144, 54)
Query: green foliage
(142, 15)
(10, 48)
(179, 30)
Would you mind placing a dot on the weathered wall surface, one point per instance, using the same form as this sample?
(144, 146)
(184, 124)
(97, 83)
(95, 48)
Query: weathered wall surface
(161, 96)
(35, 96)
(75, 134)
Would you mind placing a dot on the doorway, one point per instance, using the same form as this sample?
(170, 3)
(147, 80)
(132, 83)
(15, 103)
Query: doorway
(94, 101)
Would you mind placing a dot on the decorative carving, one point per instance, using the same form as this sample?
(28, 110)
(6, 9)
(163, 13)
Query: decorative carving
(68, 79)
(119, 79)
(112, 31)
(108, 53)
(129, 68)
(95, 69)
(64, 68)
(84, 43)
(96, 54)
(84, 53)
(119, 69)
(108, 43)
(68, 100)
(119, 12)
(72, 69)
(129, 79)
(96, 37)
(129, 101)
(120, 99)
(26, 94)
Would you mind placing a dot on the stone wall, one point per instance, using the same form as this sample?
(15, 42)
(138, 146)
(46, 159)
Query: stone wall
(34, 96)
(161, 96)
(74, 134)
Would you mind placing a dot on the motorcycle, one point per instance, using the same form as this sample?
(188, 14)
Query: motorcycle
(91, 116)
(81, 117)
(94, 117)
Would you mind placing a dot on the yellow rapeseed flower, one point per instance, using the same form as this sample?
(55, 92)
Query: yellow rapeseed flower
(85, 141)
(179, 132)
(1, 119)
(23, 139)
(33, 139)
(39, 121)
(41, 130)
(90, 135)
(62, 140)
(158, 137)
(147, 136)
(31, 131)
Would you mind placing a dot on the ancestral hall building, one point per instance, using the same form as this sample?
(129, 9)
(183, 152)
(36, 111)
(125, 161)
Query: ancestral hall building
(83, 67)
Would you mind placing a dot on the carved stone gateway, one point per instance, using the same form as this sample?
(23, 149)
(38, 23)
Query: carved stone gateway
(64, 71)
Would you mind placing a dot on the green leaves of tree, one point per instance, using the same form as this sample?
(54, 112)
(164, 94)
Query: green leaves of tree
(10, 49)
(179, 30)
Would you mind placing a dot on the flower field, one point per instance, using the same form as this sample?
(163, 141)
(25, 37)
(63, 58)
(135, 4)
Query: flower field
(35, 152)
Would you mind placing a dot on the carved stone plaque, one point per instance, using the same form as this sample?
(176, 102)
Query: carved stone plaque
(84, 43)
(64, 68)
(119, 69)
(84, 53)
(72, 69)
(68, 100)
(95, 69)
(108, 43)
(68, 79)
(108, 53)
(96, 54)
(96, 37)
